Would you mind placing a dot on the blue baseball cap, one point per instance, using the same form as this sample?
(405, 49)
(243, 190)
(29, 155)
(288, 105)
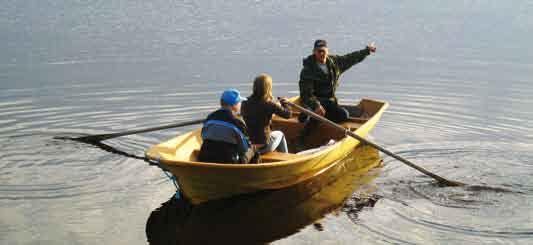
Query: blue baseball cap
(231, 97)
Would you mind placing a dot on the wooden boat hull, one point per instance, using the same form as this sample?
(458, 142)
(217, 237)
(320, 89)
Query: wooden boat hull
(268, 216)
(200, 182)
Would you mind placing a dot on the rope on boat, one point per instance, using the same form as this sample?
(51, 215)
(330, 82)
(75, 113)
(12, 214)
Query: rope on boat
(170, 177)
(173, 179)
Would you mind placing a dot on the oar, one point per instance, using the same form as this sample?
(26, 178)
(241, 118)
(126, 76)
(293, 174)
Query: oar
(101, 137)
(440, 179)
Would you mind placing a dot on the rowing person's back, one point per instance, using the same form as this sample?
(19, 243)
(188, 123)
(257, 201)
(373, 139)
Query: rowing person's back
(224, 134)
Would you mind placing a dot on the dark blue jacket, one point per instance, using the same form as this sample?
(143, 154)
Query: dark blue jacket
(225, 139)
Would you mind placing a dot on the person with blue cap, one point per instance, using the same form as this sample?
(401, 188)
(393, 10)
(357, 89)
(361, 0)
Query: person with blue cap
(225, 135)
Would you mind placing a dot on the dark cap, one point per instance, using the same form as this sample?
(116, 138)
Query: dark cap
(320, 43)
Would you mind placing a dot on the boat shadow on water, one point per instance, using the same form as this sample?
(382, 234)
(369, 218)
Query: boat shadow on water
(269, 215)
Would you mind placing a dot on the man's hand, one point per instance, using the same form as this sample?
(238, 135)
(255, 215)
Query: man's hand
(371, 47)
(320, 110)
(283, 100)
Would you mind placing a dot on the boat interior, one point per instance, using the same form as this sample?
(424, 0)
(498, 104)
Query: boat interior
(187, 149)
(322, 134)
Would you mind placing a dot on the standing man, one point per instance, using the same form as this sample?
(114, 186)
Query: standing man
(319, 79)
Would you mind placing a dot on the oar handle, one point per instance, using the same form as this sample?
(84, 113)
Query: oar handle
(361, 139)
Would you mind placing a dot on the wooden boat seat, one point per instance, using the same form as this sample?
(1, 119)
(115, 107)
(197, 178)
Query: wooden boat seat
(268, 157)
(277, 156)
(358, 119)
(352, 124)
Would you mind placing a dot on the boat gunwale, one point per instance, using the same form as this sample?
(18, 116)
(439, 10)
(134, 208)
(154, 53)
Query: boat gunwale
(173, 163)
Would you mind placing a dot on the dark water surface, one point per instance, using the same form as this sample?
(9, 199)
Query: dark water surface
(457, 74)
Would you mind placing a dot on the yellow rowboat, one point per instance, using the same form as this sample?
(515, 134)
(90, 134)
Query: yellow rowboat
(269, 216)
(200, 182)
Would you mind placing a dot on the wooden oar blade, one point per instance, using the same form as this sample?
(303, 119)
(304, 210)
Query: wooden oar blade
(452, 183)
(95, 139)
(91, 138)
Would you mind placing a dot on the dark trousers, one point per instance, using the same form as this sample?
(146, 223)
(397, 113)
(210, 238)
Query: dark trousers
(334, 112)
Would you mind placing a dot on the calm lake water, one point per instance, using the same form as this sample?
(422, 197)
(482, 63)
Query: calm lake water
(458, 76)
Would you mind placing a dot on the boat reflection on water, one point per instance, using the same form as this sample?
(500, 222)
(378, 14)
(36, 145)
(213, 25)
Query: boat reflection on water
(266, 216)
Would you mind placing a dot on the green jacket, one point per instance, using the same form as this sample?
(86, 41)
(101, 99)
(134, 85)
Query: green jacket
(315, 85)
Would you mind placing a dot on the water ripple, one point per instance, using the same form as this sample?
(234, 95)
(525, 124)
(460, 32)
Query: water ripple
(412, 201)
(489, 147)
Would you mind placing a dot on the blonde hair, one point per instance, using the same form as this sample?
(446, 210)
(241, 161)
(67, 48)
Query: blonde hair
(263, 88)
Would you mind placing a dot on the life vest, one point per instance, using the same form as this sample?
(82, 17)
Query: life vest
(218, 130)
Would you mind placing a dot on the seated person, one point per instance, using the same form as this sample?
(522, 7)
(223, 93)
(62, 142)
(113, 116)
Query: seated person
(257, 112)
(319, 79)
(224, 134)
